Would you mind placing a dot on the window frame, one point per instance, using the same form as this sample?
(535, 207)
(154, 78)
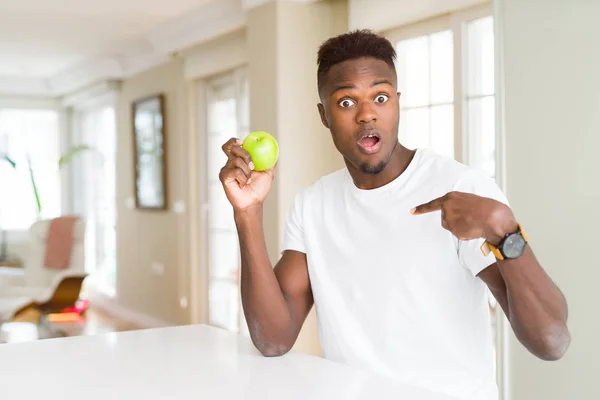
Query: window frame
(457, 23)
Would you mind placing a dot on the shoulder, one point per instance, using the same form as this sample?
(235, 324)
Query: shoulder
(437, 166)
(447, 174)
(323, 187)
(313, 195)
(461, 177)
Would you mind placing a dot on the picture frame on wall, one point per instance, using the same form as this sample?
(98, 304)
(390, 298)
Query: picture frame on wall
(148, 116)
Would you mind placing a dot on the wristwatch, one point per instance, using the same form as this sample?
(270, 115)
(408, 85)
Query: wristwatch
(511, 246)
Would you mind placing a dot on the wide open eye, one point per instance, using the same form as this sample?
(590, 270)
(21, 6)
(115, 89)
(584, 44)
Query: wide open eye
(382, 98)
(345, 103)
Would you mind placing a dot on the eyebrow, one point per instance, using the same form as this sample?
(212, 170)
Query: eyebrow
(379, 82)
(382, 82)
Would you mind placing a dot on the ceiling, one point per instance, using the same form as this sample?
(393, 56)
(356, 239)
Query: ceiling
(41, 38)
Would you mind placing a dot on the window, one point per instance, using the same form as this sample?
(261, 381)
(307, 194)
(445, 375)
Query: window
(426, 85)
(29, 137)
(93, 192)
(479, 95)
(446, 79)
(228, 116)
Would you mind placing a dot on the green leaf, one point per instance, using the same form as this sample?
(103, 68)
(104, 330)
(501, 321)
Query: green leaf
(35, 189)
(71, 153)
(9, 160)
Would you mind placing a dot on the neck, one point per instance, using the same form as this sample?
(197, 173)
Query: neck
(396, 165)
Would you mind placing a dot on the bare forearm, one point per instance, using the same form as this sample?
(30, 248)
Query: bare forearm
(537, 310)
(265, 307)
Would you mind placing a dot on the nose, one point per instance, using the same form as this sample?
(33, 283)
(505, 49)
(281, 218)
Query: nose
(366, 113)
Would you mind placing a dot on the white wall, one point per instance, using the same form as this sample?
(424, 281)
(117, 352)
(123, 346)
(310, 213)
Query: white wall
(552, 124)
(216, 56)
(153, 273)
(380, 15)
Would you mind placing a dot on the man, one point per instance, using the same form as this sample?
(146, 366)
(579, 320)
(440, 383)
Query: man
(389, 249)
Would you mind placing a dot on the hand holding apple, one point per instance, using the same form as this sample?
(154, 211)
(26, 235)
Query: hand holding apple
(248, 174)
(263, 149)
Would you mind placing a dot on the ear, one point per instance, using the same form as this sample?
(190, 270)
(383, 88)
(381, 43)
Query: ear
(323, 117)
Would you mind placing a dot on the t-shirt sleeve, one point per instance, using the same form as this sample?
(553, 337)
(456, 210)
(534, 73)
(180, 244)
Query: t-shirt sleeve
(293, 236)
(469, 251)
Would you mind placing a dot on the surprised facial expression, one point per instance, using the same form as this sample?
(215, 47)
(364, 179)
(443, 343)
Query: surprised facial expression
(359, 105)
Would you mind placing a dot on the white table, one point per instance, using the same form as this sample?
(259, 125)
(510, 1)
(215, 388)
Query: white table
(188, 362)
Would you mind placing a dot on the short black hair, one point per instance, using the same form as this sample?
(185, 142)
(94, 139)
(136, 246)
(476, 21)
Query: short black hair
(351, 46)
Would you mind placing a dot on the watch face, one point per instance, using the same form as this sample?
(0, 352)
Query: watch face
(513, 246)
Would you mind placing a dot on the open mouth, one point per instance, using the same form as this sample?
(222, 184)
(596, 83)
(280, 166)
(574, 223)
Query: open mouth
(370, 142)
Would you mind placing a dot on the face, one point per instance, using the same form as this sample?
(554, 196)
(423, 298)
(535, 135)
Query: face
(359, 105)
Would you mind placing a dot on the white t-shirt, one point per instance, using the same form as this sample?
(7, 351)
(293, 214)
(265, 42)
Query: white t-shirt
(396, 293)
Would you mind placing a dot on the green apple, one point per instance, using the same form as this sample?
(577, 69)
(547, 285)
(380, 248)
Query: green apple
(263, 149)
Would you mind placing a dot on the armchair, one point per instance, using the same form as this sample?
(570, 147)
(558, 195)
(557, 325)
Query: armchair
(40, 284)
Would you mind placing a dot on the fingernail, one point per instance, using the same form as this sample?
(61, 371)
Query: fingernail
(251, 165)
(413, 210)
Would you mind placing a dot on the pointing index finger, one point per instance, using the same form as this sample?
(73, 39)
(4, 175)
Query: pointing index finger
(433, 205)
